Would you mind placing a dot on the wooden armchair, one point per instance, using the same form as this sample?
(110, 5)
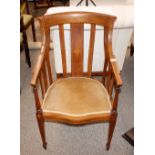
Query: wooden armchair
(76, 98)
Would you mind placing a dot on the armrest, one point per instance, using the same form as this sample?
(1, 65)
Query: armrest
(37, 69)
(116, 72)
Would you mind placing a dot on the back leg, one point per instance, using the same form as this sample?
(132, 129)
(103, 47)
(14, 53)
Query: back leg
(33, 31)
(41, 126)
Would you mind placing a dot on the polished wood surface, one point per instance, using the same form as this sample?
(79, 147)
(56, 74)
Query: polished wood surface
(77, 39)
(42, 74)
(63, 50)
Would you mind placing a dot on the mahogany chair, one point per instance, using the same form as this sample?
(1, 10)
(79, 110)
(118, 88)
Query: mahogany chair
(76, 98)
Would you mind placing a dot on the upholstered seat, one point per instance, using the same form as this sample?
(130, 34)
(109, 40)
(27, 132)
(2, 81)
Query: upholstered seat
(76, 96)
(27, 19)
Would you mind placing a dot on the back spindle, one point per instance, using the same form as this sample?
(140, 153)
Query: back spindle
(91, 48)
(63, 50)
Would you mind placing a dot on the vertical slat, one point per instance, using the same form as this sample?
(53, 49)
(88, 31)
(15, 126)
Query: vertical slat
(104, 71)
(108, 78)
(49, 70)
(45, 77)
(91, 49)
(105, 52)
(38, 104)
(108, 42)
(111, 86)
(42, 84)
(115, 102)
(77, 41)
(63, 49)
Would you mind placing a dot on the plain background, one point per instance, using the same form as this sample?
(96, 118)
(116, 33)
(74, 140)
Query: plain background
(144, 12)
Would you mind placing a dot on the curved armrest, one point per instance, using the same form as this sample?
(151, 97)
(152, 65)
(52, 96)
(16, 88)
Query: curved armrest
(116, 72)
(37, 69)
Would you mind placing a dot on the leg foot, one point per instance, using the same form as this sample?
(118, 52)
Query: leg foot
(112, 124)
(42, 129)
(107, 147)
(45, 146)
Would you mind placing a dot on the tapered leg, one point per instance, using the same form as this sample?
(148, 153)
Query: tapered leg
(112, 124)
(33, 31)
(41, 129)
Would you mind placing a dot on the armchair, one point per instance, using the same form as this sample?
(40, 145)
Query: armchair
(76, 98)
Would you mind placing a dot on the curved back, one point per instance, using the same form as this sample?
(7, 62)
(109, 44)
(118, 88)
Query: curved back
(77, 21)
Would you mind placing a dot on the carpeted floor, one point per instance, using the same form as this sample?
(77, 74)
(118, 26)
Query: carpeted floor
(72, 140)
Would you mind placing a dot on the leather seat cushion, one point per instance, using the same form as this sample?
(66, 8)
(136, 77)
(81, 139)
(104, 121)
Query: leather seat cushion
(76, 96)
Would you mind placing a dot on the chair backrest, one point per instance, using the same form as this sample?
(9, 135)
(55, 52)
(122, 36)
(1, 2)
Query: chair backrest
(77, 21)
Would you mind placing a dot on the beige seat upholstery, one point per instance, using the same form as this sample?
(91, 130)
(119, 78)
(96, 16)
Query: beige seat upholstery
(27, 19)
(77, 96)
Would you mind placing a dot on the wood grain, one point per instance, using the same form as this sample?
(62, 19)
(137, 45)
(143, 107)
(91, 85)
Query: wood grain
(77, 40)
(91, 48)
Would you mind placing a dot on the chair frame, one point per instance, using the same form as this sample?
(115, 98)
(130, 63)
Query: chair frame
(42, 74)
